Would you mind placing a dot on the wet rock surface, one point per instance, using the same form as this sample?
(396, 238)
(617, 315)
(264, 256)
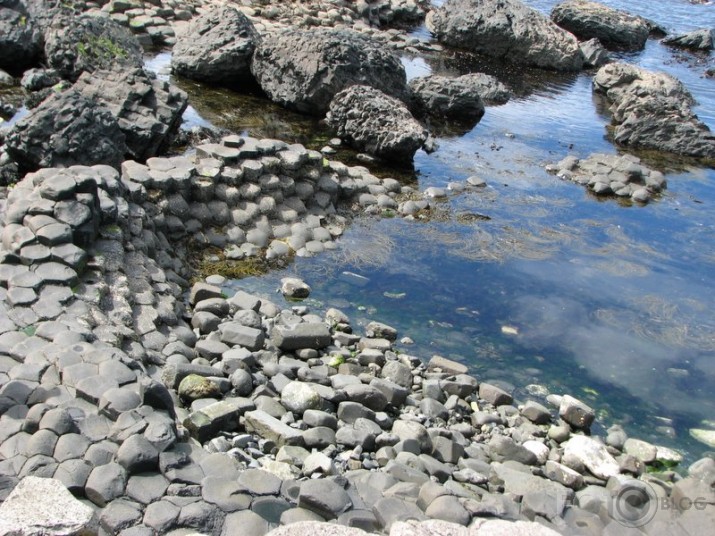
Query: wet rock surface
(304, 69)
(652, 110)
(217, 47)
(614, 28)
(507, 30)
(371, 121)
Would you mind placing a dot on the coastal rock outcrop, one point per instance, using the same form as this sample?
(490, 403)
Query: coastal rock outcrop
(615, 29)
(702, 39)
(304, 69)
(652, 110)
(506, 29)
(77, 44)
(68, 128)
(371, 121)
(147, 110)
(461, 98)
(217, 48)
(20, 39)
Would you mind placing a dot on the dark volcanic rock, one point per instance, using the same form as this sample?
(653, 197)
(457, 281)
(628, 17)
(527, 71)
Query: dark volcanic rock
(147, 110)
(304, 69)
(217, 47)
(373, 122)
(67, 129)
(615, 29)
(20, 40)
(74, 45)
(506, 29)
(653, 111)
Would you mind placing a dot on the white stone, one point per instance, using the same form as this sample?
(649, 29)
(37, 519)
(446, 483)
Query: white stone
(593, 455)
(540, 450)
(45, 506)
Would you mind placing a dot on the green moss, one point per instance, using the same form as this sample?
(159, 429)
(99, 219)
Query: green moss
(29, 330)
(101, 49)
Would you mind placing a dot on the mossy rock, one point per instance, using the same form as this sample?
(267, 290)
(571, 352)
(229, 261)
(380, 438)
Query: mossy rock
(194, 387)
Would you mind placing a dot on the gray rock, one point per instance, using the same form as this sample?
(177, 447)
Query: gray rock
(74, 474)
(136, 454)
(74, 45)
(236, 334)
(304, 69)
(268, 427)
(20, 39)
(218, 416)
(367, 395)
(294, 288)
(83, 133)
(246, 523)
(226, 493)
(448, 508)
(304, 335)
(563, 475)
(324, 497)
(106, 483)
(44, 505)
(317, 418)
(576, 413)
(390, 510)
(146, 489)
(406, 430)
(161, 516)
(614, 28)
(506, 30)
(669, 124)
(594, 54)
(536, 413)
(259, 482)
(702, 39)
(494, 395)
(216, 47)
(504, 448)
(371, 121)
(118, 515)
(398, 373)
(148, 111)
(319, 437)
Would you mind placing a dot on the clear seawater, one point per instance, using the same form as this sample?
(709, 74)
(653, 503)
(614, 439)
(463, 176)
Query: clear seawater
(614, 304)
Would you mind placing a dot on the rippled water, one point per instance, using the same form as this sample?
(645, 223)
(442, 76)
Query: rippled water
(609, 302)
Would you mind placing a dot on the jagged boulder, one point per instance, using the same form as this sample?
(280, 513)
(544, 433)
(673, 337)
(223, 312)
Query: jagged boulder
(460, 98)
(68, 128)
(376, 123)
(147, 110)
(506, 29)
(304, 69)
(217, 47)
(20, 40)
(702, 39)
(615, 29)
(77, 44)
(652, 110)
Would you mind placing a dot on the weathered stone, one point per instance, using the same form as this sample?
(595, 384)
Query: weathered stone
(271, 428)
(576, 413)
(324, 497)
(304, 335)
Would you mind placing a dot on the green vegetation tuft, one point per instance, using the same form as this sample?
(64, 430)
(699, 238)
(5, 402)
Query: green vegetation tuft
(101, 49)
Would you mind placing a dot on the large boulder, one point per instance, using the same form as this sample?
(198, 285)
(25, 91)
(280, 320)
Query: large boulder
(460, 98)
(304, 69)
(147, 110)
(77, 44)
(615, 29)
(68, 128)
(20, 40)
(217, 47)
(506, 29)
(652, 110)
(376, 123)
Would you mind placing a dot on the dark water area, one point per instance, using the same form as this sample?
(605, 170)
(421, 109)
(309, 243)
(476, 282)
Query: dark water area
(532, 281)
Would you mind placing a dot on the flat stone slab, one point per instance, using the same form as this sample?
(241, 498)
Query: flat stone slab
(268, 427)
(216, 417)
(311, 335)
(45, 506)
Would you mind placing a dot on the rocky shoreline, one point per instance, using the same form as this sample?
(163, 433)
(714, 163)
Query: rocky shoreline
(165, 405)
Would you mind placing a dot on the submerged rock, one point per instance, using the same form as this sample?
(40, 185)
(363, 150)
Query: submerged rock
(615, 29)
(371, 121)
(217, 48)
(652, 110)
(506, 29)
(304, 69)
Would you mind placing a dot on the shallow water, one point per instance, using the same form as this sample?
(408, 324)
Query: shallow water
(609, 302)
